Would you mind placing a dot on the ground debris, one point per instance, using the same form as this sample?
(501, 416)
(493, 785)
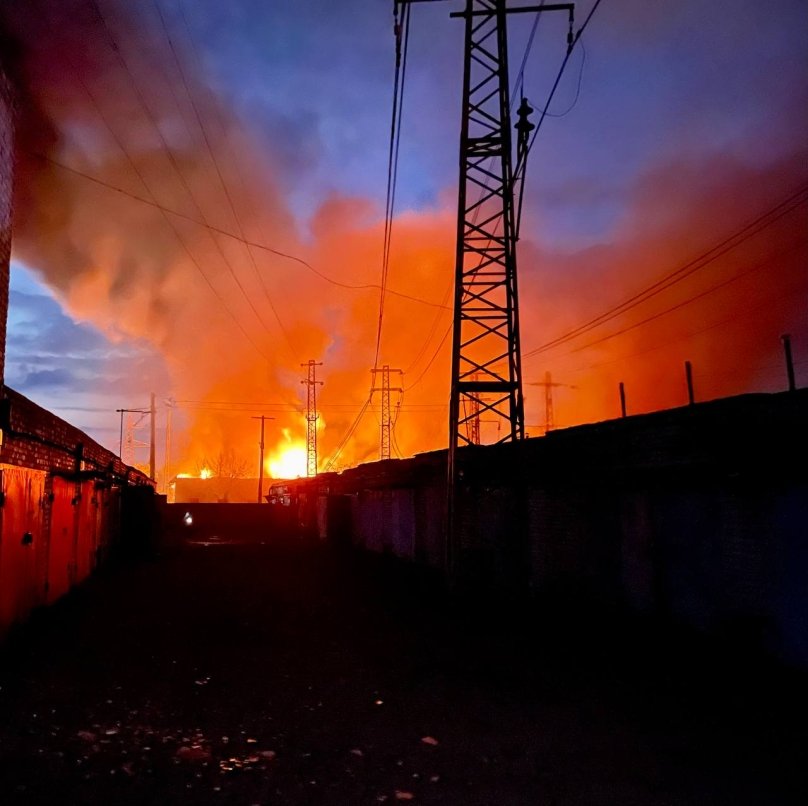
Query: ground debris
(192, 753)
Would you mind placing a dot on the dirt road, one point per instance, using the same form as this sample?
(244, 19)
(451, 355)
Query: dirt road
(251, 674)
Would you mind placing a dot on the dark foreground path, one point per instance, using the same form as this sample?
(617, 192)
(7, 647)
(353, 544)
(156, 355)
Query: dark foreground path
(250, 674)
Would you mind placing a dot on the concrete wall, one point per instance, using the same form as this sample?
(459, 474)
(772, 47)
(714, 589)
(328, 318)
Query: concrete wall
(695, 516)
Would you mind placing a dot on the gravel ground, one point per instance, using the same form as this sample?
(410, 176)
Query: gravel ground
(254, 674)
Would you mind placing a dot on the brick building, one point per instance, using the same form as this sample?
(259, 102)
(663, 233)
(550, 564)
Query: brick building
(6, 185)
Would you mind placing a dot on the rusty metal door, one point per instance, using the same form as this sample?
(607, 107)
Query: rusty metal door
(23, 549)
(61, 557)
(87, 535)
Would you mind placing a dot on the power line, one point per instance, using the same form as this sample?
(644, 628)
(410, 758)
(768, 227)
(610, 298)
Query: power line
(434, 326)
(170, 154)
(516, 86)
(220, 231)
(219, 175)
(564, 63)
(792, 202)
(681, 304)
(139, 174)
(402, 32)
(431, 360)
(736, 315)
(521, 166)
(337, 453)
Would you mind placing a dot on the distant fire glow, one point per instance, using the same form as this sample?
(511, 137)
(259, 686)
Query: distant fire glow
(288, 463)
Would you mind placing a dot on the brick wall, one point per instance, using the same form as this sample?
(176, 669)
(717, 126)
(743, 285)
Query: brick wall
(6, 175)
(37, 439)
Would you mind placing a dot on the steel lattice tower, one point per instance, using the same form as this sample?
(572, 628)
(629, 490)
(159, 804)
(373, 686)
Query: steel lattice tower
(385, 437)
(311, 414)
(486, 312)
(486, 359)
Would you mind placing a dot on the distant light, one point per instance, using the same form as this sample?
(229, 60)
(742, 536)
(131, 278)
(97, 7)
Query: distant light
(188, 519)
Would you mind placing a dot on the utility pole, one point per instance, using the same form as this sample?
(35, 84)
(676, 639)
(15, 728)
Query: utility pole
(792, 383)
(153, 439)
(385, 440)
(691, 398)
(120, 440)
(128, 443)
(262, 418)
(547, 383)
(311, 414)
(169, 403)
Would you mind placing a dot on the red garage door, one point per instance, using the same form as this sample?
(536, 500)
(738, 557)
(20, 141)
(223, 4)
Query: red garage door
(23, 550)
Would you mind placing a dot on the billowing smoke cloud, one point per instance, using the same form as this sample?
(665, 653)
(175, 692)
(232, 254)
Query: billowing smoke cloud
(137, 189)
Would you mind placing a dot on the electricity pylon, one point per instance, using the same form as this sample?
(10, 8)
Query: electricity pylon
(385, 437)
(549, 385)
(485, 340)
(311, 414)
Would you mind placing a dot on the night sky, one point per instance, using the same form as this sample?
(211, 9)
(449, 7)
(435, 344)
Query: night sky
(157, 136)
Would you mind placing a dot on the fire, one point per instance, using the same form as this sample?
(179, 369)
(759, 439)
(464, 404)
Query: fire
(289, 462)
(205, 473)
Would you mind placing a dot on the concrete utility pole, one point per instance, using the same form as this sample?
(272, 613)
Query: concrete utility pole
(153, 439)
(792, 383)
(691, 398)
(262, 418)
(622, 399)
(385, 440)
(169, 404)
(311, 414)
